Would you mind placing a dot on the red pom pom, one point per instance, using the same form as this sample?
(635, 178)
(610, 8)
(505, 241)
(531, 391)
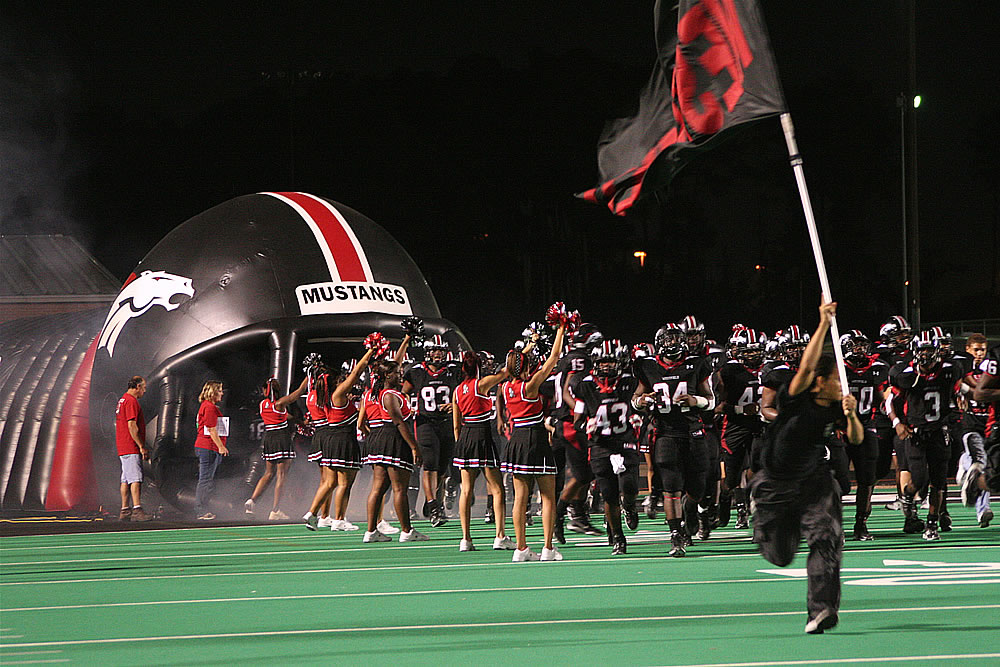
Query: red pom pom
(556, 314)
(377, 342)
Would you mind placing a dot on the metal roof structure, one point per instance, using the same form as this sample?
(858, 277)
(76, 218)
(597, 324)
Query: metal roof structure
(52, 267)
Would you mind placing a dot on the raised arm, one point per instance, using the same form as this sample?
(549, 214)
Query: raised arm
(807, 366)
(401, 352)
(535, 383)
(344, 388)
(292, 397)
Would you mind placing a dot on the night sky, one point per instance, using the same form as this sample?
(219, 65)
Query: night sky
(465, 128)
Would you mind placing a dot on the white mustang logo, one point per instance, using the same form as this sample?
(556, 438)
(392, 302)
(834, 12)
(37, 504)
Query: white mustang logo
(152, 288)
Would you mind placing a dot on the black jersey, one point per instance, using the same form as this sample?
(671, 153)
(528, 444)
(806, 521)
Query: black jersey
(573, 367)
(668, 380)
(890, 356)
(800, 435)
(610, 408)
(977, 413)
(925, 398)
(777, 375)
(865, 382)
(741, 390)
(432, 389)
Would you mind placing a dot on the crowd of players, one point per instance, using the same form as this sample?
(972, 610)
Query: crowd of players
(573, 413)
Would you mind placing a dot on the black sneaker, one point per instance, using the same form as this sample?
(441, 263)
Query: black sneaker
(488, 517)
(630, 515)
(704, 525)
(559, 529)
(911, 522)
(742, 518)
(619, 547)
(944, 523)
(678, 544)
(529, 520)
(824, 620)
(861, 533)
(426, 509)
(931, 532)
(650, 505)
(438, 517)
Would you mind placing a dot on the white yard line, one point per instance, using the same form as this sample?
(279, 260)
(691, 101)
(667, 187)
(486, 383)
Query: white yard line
(494, 624)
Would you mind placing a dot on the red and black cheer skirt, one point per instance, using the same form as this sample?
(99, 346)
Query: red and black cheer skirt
(385, 446)
(475, 447)
(528, 452)
(278, 444)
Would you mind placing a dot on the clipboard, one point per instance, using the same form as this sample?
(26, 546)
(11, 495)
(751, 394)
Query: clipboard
(221, 427)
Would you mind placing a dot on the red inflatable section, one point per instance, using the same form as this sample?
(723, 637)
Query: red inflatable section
(73, 484)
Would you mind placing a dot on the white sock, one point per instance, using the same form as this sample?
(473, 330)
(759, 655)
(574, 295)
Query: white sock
(308, 515)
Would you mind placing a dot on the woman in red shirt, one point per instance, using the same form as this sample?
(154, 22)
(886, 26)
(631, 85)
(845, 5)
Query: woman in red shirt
(528, 455)
(209, 446)
(475, 449)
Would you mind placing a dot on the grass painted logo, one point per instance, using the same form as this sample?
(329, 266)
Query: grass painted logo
(352, 297)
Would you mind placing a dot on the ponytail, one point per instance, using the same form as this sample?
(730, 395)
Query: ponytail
(470, 365)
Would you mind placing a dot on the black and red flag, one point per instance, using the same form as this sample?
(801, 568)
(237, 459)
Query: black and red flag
(714, 70)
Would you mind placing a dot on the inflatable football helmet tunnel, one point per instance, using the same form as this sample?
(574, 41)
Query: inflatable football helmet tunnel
(238, 293)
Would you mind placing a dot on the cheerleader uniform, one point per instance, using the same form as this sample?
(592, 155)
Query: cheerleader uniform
(385, 445)
(475, 447)
(277, 434)
(528, 451)
(317, 418)
(340, 449)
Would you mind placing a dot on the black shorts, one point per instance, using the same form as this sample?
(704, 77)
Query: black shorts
(574, 447)
(436, 439)
(682, 461)
(278, 445)
(528, 452)
(615, 485)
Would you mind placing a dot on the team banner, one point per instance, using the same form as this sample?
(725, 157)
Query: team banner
(714, 70)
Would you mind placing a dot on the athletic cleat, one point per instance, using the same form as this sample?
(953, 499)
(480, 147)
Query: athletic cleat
(277, 515)
(503, 544)
(488, 517)
(678, 544)
(861, 533)
(386, 528)
(466, 545)
(375, 536)
(619, 548)
(649, 504)
(325, 522)
(426, 509)
(742, 518)
(895, 506)
(524, 555)
(630, 515)
(312, 521)
(248, 506)
(450, 493)
(413, 536)
(925, 503)
(985, 517)
(912, 524)
(559, 529)
(529, 520)
(581, 524)
(551, 554)
(438, 517)
(824, 620)
(944, 522)
(969, 481)
(931, 532)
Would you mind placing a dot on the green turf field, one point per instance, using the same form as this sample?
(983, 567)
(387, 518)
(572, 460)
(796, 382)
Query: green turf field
(281, 594)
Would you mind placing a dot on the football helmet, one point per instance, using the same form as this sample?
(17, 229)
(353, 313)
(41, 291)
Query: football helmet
(610, 359)
(670, 342)
(896, 332)
(793, 343)
(436, 350)
(640, 350)
(587, 337)
(748, 347)
(944, 342)
(694, 331)
(855, 346)
(925, 348)
(487, 363)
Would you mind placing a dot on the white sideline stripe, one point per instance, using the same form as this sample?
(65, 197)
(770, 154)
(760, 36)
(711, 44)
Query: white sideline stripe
(840, 661)
(492, 624)
(324, 596)
(35, 662)
(565, 563)
(26, 653)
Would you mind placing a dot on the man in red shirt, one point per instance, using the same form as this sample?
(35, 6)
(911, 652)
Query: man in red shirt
(130, 438)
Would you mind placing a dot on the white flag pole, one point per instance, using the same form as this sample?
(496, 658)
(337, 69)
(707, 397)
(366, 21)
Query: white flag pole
(800, 179)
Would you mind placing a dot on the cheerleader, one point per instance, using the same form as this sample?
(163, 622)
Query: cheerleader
(278, 451)
(474, 446)
(528, 455)
(341, 458)
(392, 451)
(317, 419)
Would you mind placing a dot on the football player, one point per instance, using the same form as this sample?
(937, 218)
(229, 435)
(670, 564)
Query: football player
(921, 407)
(675, 387)
(432, 383)
(602, 412)
(892, 347)
(866, 376)
(976, 423)
(568, 444)
(742, 429)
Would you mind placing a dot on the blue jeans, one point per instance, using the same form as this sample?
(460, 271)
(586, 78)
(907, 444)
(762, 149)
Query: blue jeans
(208, 461)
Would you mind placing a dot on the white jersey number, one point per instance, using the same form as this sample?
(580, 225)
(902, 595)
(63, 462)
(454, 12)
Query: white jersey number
(666, 401)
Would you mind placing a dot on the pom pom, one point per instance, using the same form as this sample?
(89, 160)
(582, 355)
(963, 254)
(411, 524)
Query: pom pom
(413, 327)
(311, 363)
(556, 314)
(377, 342)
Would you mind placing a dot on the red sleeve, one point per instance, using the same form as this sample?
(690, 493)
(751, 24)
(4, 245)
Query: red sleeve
(209, 415)
(132, 409)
